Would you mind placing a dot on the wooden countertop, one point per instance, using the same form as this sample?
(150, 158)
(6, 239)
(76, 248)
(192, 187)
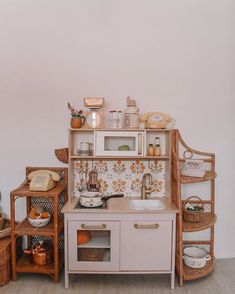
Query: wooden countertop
(119, 205)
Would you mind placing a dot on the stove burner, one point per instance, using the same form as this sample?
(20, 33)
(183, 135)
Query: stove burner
(80, 206)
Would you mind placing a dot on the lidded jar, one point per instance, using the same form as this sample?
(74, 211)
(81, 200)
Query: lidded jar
(131, 115)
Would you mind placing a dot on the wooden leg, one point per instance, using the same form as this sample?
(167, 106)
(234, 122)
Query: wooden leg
(66, 274)
(66, 279)
(173, 280)
(13, 241)
(56, 236)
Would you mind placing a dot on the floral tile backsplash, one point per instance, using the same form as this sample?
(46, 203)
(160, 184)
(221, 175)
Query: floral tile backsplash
(120, 176)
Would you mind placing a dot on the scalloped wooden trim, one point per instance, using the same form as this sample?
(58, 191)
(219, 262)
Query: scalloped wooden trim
(197, 273)
(207, 220)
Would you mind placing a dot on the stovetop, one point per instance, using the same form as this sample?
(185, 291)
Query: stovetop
(103, 206)
(80, 206)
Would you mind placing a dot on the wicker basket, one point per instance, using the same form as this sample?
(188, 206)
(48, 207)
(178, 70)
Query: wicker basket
(62, 154)
(5, 258)
(5, 261)
(6, 231)
(192, 216)
(193, 168)
(90, 254)
(2, 221)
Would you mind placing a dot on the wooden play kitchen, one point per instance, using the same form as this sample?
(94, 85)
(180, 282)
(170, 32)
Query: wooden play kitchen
(126, 240)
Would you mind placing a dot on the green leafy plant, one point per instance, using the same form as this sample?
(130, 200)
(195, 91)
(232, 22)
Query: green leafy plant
(76, 113)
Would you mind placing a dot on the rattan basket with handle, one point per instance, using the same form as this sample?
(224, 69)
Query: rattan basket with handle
(193, 216)
(90, 254)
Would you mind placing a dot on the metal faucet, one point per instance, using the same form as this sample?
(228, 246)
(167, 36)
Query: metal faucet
(147, 186)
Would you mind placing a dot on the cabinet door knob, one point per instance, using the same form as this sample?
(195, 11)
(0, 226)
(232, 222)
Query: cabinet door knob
(93, 227)
(151, 226)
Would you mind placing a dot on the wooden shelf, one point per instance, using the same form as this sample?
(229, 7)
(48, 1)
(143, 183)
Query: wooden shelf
(25, 228)
(207, 220)
(197, 273)
(210, 175)
(23, 191)
(118, 130)
(24, 265)
(162, 157)
(52, 200)
(96, 242)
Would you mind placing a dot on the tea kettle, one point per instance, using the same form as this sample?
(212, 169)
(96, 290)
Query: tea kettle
(41, 253)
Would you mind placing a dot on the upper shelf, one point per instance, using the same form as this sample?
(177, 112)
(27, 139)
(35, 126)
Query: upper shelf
(162, 157)
(210, 175)
(118, 130)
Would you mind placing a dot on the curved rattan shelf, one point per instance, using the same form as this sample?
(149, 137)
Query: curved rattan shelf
(197, 273)
(210, 175)
(207, 220)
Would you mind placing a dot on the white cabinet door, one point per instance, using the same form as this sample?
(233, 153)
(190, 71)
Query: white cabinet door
(146, 245)
(100, 252)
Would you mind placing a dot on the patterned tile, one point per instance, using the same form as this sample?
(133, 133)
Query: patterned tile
(121, 176)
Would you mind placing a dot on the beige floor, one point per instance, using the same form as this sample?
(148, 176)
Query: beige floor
(221, 281)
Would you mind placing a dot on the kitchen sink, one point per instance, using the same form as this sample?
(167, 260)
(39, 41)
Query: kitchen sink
(148, 204)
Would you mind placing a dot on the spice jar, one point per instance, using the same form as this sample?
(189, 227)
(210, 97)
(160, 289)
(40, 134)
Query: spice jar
(150, 150)
(157, 147)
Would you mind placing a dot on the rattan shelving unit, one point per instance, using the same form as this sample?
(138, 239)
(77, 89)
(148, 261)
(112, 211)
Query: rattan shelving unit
(208, 218)
(53, 200)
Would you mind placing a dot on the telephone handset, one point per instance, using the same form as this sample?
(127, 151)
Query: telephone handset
(43, 180)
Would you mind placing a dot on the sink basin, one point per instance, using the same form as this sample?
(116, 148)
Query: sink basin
(149, 204)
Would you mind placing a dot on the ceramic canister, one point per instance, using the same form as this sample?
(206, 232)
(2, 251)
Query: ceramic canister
(84, 148)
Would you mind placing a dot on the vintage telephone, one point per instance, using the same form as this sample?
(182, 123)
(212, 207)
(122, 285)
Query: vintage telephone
(43, 180)
(155, 120)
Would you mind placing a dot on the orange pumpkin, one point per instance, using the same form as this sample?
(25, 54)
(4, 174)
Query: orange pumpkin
(83, 237)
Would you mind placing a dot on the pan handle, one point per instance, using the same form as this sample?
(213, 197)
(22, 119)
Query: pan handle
(105, 198)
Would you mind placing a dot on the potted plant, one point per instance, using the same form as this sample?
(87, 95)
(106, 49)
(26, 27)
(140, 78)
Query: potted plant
(77, 119)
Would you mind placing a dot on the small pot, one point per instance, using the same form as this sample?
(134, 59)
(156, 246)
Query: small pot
(195, 257)
(95, 199)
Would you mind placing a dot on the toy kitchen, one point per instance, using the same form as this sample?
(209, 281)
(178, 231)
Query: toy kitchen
(119, 218)
(125, 213)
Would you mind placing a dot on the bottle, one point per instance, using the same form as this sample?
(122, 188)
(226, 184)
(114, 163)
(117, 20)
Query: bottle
(120, 120)
(150, 150)
(157, 147)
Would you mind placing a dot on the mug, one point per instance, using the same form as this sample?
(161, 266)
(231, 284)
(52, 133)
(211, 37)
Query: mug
(86, 148)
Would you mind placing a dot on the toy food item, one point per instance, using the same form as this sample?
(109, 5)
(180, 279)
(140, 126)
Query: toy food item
(32, 213)
(45, 214)
(35, 212)
(83, 237)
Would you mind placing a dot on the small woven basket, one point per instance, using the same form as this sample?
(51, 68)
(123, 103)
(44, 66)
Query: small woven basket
(90, 254)
(192, 216)
(62, 154)
(2, 221)
(6, 231)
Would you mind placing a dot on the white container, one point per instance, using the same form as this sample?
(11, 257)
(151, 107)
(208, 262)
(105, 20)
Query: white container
(131, 117)
(193, 168)
(195, 257)
(39, 222)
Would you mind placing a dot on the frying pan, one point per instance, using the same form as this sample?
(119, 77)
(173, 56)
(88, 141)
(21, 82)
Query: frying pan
(95, 199)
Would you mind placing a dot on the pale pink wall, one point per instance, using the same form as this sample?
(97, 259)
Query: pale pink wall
(172, 56)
